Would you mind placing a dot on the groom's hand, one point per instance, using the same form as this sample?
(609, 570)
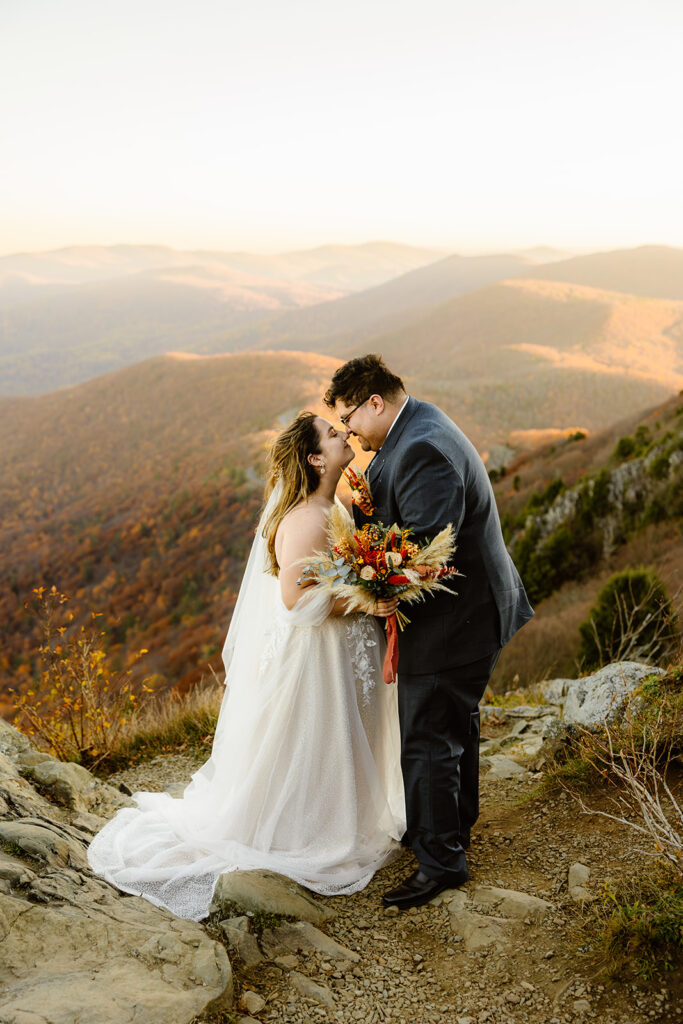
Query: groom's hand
(386, 607)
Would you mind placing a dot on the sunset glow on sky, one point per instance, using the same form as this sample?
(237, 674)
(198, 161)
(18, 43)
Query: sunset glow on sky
(269, 125)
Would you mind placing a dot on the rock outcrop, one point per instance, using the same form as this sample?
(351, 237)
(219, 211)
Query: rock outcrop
(535, 732)
(600, 697)
(71, 946)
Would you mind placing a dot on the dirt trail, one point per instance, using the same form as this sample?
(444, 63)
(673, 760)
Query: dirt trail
(417, 966)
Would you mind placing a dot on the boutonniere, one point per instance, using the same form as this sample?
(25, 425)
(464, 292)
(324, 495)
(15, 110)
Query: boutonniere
(360, 490)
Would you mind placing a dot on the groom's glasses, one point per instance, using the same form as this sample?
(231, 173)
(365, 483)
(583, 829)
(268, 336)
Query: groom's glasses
(344, 420)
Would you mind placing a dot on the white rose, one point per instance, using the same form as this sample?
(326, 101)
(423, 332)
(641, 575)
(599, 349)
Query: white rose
(368, 573)
(394, 559)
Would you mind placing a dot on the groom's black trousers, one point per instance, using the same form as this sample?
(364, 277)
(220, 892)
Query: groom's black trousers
(439, 717)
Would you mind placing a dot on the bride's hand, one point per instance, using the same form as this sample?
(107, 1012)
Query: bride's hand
(386, 607)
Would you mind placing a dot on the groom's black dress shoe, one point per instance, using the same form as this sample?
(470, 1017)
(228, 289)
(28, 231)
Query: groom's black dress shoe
(420, 888)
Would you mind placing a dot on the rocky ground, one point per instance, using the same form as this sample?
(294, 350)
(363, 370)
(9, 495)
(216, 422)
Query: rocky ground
(513, 945)
(510, 946)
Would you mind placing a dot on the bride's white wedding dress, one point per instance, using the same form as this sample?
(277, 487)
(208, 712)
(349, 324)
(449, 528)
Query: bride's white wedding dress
(304, 776)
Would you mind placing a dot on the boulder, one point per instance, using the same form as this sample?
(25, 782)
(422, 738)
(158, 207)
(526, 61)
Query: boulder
(266, 892)
(42, 844)
(86, 953)
(311, 990)
(75, 787)
(511, 903)
(577, 882)
(554, 690)
(600, 697)
(529, 712)
(300, 935)
(13, 742)
(478, 931)
(71, 946)
(525, 748)
(236, 931)
(501, 767)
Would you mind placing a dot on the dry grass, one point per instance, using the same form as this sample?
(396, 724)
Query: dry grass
(172, 723)
(548, 646)
(640, 925)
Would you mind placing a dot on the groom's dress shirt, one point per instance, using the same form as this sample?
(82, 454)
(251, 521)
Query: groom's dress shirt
(395, 421)
(396, 418)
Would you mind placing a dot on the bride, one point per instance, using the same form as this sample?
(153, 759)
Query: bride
(304, 776)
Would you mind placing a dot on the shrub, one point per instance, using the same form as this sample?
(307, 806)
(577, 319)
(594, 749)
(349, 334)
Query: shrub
(600, 504)
(565, 555)
(81, 706)
(633, 618)
(655, 512)
(659, 467)
(625, 447)
(642, 925)
(541, 500)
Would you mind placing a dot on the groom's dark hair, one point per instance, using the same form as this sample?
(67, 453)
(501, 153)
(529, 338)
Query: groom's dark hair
(359, 378)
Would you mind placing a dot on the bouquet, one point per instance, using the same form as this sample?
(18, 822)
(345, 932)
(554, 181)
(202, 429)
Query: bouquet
(378, 562)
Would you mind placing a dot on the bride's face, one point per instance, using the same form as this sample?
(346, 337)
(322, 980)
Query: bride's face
(334, 448)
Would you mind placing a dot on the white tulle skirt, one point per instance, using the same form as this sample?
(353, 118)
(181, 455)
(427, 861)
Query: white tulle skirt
(304, 776)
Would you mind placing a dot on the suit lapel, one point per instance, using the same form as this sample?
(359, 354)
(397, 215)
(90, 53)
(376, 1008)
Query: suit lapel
(383, 455)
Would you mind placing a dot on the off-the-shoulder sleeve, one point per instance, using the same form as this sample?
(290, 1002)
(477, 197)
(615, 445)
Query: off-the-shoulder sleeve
(312, 608)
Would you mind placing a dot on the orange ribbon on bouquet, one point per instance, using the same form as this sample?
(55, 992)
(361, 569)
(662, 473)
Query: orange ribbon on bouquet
(391, 657)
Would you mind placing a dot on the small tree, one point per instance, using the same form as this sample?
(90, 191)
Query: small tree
(633, 619)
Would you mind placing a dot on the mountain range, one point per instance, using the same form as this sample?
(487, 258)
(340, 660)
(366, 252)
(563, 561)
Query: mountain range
(85, 312)
(133, 481)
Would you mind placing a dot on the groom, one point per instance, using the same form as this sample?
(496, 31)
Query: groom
(426, 474)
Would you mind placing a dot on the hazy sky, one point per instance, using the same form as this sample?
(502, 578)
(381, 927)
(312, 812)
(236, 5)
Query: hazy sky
(270, 124)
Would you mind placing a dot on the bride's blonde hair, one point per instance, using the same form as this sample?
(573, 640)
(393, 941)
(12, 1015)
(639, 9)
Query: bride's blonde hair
(289, 467)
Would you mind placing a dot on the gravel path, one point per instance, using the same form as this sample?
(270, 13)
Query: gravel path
(414, 967)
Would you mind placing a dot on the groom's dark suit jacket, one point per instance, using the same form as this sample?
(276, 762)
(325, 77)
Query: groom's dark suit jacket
(428, 474)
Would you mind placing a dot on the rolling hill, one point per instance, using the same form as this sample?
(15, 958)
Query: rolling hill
(64, 338)
(348, 322)
(655, 271)
(338, 268)
(95, 310)
(137, 494)
(526, 355)
(92, 328)
(544, 254)
(68, 315)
